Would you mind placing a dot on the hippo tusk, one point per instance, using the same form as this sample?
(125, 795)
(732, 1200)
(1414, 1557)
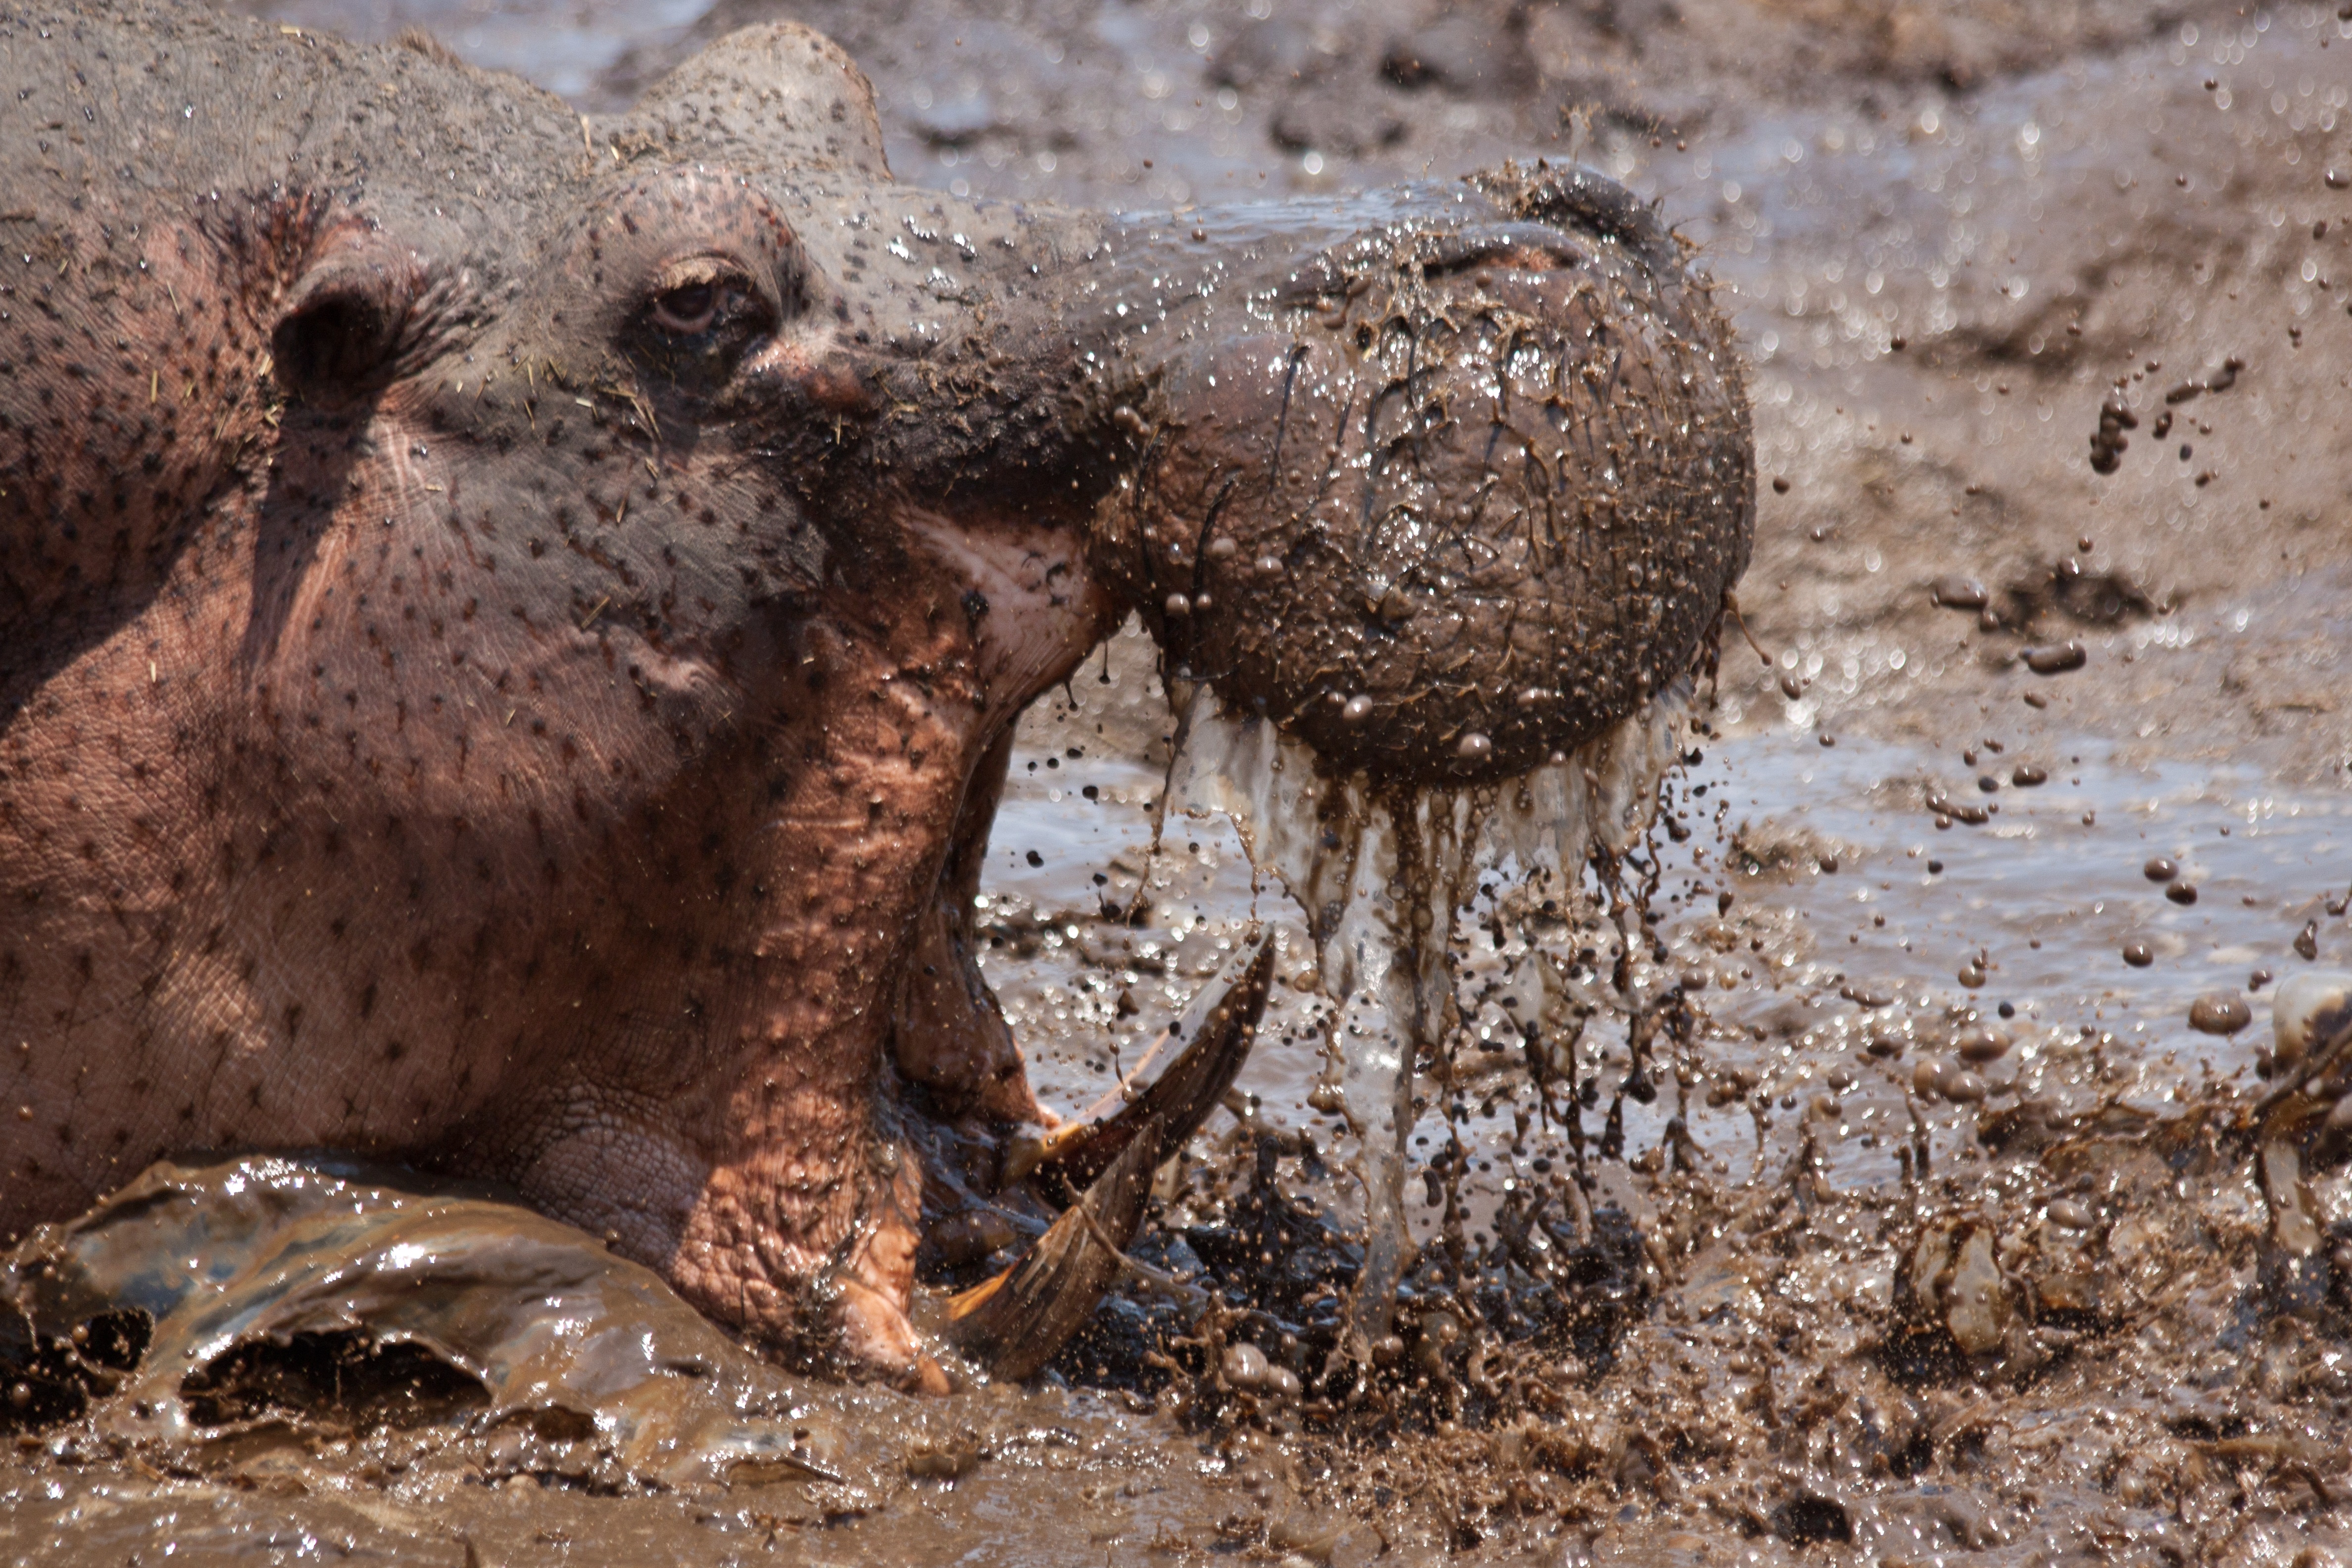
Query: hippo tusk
(1220, 1023)
(1013, 1323)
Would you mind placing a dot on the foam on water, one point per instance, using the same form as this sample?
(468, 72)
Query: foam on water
(1382, 873)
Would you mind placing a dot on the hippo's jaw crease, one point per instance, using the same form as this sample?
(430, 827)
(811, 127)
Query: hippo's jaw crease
(808, 1184)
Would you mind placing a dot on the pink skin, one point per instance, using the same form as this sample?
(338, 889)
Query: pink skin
(366, 916)
(399, 772)
(393, 895)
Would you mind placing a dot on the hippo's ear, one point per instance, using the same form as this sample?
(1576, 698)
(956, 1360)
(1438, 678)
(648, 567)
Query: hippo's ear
(778, 95)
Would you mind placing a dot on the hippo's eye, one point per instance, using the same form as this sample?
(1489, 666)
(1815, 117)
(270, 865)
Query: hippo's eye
(702, 295)
(687, 310)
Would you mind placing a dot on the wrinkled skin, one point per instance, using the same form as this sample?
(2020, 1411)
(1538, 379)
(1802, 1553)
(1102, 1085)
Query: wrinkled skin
(510, 629)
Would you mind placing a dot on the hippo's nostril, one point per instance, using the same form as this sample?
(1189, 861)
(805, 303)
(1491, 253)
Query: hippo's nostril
(1518, 246)
(338, 335)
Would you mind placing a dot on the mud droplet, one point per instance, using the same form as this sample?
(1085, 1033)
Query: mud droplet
(2159, 869)
(2056, 660)
(2220, 1013)
(1971, 975)
(1829, 865)
(1358, 709)
(1977, 1300)
(2310, 1008)
(1245, 1365)
(1964, 1088)
(1983, 1046)
(1177, 604)
(1957, 593)
(2182, 893)
(2069, 1213)
(2307, 941)
(2026, 775)
(1475, 747)
(2137, 954)
(1780, 485)
(1930, 1075)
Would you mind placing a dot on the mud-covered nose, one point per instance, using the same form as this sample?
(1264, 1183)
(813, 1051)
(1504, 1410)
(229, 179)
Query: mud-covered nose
(1469, 491)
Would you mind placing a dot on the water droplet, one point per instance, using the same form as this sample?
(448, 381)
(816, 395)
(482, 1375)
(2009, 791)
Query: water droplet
(2221, 1013)
(2056, 660)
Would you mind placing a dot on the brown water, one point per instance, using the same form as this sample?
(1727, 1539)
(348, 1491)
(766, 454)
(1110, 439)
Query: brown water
(1807, 1309)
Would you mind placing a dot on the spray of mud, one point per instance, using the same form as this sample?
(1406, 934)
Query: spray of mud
(1384, 872)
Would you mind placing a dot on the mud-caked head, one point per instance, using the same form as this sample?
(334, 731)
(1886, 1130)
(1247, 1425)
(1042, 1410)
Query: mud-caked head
(600, 566)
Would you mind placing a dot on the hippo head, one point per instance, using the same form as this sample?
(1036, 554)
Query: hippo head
(571, 636)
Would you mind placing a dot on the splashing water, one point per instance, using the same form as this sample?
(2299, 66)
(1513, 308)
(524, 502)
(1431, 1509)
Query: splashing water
(1382, 871)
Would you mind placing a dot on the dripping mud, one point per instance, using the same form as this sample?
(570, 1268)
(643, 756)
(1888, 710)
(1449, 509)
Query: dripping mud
(1839, 1178)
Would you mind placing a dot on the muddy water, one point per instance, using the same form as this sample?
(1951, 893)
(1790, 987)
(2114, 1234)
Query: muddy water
(1808, 1304)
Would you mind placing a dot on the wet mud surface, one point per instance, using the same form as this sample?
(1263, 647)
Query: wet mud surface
(1884, 1181)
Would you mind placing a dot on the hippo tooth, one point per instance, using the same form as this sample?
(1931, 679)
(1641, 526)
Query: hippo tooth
(1220, 1023)
(2312, 1011)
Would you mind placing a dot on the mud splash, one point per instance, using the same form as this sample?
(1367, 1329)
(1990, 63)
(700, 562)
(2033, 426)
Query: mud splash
(267, 1351)
(1383, 874)
(213, 1306)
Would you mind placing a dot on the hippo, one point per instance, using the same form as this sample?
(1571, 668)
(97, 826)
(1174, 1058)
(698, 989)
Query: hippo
(511, 626)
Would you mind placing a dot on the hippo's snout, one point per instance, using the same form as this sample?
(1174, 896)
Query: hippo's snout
(1465, 489)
